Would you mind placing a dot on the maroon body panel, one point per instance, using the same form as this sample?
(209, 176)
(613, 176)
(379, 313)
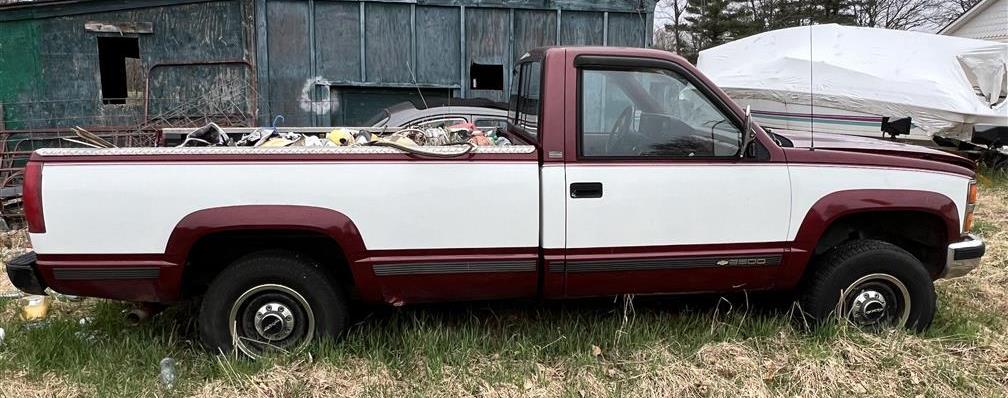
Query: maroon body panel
(837, 157)
(431, 275)
(164, 287)
(837, 205)
(879, 146)
(671, 269)
(555, 112)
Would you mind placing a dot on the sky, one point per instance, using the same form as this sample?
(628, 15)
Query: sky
(662, 12)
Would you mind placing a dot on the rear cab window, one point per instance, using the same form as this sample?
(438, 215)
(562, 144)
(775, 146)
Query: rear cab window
(525, 104)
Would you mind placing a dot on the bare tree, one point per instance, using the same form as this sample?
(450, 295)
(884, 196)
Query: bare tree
(961, 6)
(672, 36)
(898, 14)
(953, 9)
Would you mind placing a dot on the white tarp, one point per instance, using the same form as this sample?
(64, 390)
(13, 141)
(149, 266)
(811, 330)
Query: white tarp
(946, 84)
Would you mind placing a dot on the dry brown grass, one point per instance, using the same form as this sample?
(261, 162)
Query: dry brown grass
(302, 379)
(20, 386)
(987, 286)
(893, 365)
(12, 244)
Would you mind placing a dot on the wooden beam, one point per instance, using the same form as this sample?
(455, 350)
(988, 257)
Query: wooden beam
(120, 27)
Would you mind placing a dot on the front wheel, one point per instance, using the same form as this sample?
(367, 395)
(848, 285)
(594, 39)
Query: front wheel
(270, 301)
(872, 285)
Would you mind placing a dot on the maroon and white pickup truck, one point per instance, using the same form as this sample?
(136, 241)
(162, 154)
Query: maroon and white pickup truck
(630, 175)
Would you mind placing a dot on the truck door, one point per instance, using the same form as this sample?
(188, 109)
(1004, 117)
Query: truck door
(658, 199)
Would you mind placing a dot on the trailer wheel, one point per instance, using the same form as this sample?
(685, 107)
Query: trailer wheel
(270, 301)
(872, 285)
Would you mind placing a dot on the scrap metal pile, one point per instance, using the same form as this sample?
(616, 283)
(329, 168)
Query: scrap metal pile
(407, 139)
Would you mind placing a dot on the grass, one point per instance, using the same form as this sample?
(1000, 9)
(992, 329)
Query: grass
(686, 346)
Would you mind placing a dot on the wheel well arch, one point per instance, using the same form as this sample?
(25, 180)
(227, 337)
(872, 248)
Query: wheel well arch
(207, 241)
(214, 252)
(921, 233)
(891, 215)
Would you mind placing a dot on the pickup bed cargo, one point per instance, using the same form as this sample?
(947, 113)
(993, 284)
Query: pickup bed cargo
(630, 174)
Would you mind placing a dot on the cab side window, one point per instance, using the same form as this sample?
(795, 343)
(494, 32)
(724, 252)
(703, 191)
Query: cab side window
(650, 113)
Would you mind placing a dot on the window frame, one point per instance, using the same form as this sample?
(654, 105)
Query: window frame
(438, 118)
(513, 119)
(624, 64)
(111, 52)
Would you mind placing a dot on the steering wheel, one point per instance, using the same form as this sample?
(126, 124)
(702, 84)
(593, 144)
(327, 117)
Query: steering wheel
(618, 133)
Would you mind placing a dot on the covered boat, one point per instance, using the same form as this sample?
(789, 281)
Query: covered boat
(853, 80)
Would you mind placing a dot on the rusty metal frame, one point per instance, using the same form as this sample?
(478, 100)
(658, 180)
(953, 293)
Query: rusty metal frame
(252, 82)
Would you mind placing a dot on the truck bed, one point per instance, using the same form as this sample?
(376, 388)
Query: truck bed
(129, 202)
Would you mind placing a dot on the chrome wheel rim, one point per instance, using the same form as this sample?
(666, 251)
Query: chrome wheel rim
(270, 317)
(876, 301)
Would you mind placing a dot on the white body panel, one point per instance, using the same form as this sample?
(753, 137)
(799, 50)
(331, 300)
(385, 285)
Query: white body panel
(133, 207)
(669, 204)
(813, 182)
(554, 207)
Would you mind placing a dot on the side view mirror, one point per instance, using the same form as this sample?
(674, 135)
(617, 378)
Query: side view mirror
(747, 133)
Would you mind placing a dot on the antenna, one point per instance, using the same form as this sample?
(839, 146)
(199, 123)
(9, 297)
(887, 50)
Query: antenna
(412, 76)
(810, 88)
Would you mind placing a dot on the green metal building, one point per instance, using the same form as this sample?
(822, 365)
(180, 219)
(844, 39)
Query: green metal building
(118, 66)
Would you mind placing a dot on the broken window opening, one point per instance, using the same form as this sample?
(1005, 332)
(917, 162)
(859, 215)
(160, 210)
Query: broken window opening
(122, 74)
(486, 77)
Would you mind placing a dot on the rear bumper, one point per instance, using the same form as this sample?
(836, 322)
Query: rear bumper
(963, 256)
(22, 273)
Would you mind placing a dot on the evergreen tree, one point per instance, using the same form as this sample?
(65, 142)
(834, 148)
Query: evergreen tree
(715, 22)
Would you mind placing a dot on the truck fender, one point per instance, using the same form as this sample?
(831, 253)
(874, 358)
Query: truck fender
(837, 205)
(199, 224)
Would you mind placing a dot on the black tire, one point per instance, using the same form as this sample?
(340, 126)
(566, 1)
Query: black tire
(274, 288)
(865, 270)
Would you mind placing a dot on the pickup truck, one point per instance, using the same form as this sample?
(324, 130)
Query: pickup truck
(631, 173)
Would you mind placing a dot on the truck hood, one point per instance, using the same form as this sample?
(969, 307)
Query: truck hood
(880, 146)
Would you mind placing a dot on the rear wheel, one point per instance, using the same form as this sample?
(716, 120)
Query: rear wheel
(270, 301)
(872, 285)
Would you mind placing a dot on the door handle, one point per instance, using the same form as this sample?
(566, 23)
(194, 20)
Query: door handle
(585, 190)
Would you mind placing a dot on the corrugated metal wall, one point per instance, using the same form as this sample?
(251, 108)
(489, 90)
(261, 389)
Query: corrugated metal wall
(337, 62)
(317, 62)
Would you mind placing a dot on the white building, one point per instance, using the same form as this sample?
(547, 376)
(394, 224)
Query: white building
(988, 20)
